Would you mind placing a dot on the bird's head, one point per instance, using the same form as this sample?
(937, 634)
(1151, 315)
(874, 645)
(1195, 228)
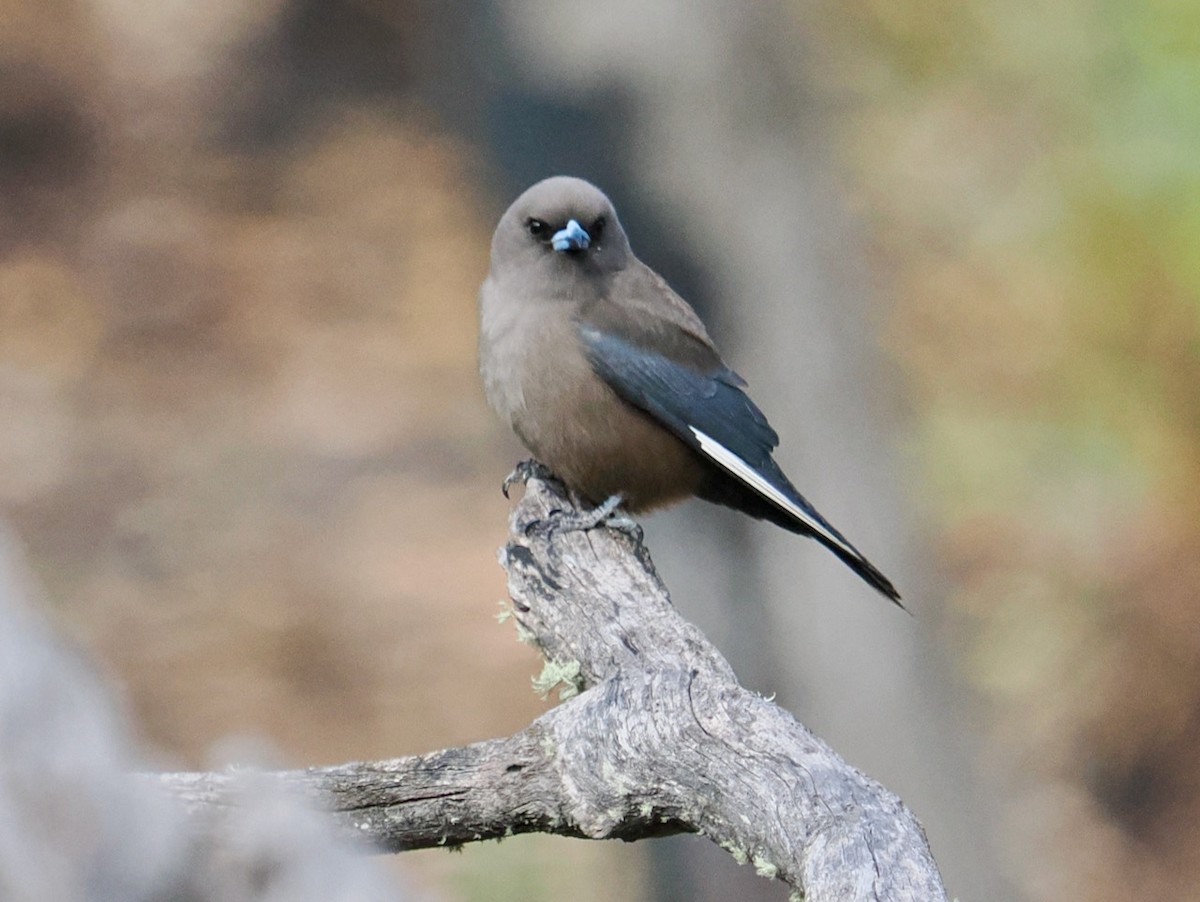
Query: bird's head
(559, 226)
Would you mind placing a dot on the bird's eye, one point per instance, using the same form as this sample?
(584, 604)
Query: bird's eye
(538, 229)
(598, 228)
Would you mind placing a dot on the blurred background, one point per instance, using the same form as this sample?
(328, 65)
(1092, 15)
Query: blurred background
(953, 247)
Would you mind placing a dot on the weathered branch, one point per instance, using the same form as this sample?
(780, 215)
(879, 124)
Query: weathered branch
(660, 739)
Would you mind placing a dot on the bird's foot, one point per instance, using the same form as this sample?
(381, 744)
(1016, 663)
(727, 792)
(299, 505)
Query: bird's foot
(606, 514)
(523, 472)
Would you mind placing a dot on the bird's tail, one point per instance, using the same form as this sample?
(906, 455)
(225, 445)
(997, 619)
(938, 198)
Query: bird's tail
(732, 493)
(855, 560)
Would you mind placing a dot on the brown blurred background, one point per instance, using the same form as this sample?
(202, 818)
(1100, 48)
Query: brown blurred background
(952, 246)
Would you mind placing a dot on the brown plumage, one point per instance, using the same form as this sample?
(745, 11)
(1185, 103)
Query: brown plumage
(611, 379)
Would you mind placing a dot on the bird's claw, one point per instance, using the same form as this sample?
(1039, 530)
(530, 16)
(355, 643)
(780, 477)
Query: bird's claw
(606, 514)
(626, 524)
(523, 472)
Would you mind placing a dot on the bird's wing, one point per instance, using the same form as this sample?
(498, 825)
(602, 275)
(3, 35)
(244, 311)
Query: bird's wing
(709, 412)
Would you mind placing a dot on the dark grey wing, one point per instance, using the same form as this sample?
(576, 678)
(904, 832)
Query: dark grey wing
(710, 413)
(707, 410)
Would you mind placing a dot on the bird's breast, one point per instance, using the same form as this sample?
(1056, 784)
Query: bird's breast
(538, 379)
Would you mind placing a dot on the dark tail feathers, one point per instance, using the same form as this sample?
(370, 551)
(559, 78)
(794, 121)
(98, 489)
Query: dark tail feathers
(725, 490)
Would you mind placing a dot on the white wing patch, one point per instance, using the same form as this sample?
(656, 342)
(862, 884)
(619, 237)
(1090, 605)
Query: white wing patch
(742, 471)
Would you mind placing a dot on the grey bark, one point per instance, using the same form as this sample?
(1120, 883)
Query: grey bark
(656, 736)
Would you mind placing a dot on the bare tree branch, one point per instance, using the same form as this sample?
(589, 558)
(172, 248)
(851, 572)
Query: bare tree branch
(656, 737)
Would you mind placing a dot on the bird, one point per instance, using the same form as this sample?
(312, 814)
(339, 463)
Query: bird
(611, 380)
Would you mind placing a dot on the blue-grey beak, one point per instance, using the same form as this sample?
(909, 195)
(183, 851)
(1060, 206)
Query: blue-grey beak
(571, 238)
